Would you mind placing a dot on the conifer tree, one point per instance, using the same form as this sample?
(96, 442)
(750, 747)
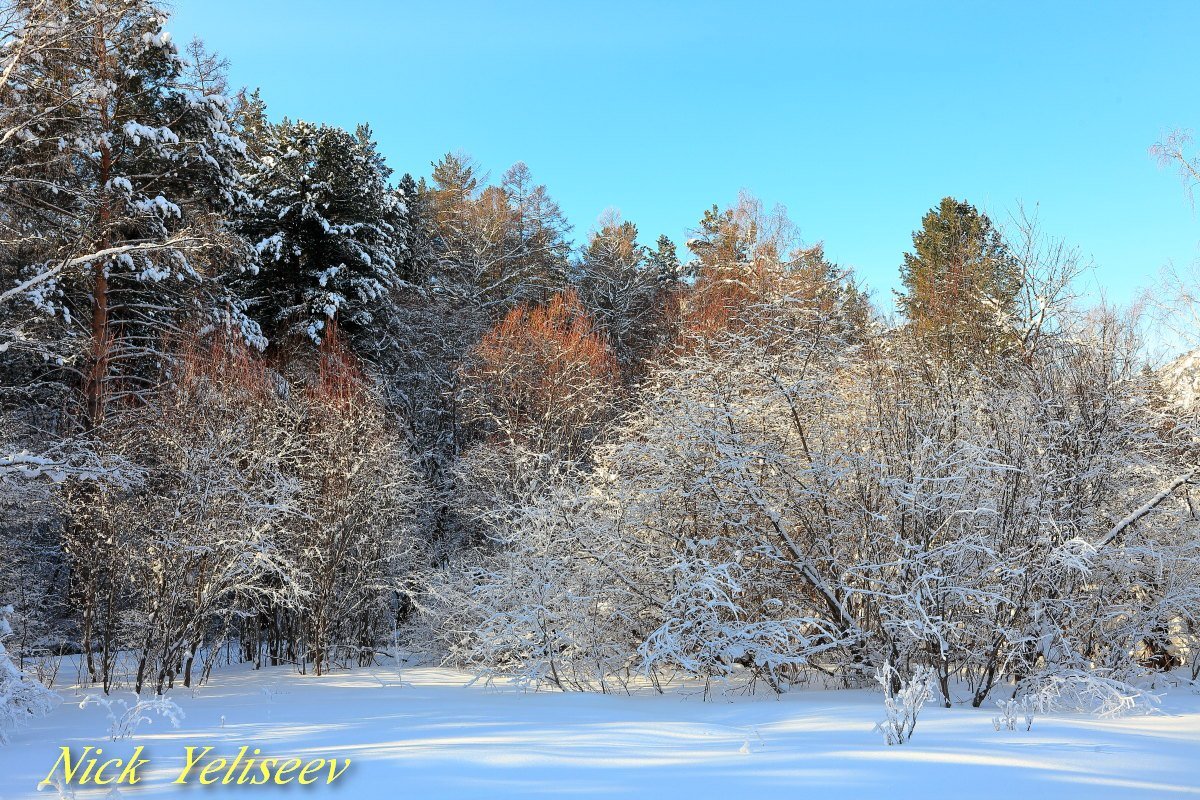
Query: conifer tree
(497, 245)
(663, 261)
(960, 282)
(616, 284)
(417, 255)
(742, 255)
(118, 167)
(328, 230)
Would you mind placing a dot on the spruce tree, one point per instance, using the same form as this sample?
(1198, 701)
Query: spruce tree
(328, 230)
(618, 288)
(417, 257)
(663, 261)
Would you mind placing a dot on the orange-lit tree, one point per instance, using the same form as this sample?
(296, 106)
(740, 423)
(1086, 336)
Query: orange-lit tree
(748, 259)
(542, 379)
(961, 284)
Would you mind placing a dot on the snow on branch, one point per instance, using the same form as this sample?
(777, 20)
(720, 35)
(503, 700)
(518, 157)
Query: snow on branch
(108, 252)
(1145, 508)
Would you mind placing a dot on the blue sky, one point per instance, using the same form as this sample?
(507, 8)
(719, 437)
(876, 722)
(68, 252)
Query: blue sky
(856, 116)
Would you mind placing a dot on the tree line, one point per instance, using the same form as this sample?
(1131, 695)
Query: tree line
(262, 399)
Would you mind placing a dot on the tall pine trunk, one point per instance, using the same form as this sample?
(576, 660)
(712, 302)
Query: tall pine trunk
(100, 323)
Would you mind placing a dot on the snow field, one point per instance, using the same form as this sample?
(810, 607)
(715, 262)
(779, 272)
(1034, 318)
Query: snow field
(433, 736)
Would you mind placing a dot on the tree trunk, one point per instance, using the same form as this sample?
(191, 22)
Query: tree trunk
(100, 321)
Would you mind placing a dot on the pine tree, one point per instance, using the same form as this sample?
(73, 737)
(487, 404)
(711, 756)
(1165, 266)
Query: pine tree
(249, 118)
(742, 255)
(119, 166)
(456, 183)
(960, 281)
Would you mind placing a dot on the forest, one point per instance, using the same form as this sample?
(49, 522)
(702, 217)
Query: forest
(266, 398)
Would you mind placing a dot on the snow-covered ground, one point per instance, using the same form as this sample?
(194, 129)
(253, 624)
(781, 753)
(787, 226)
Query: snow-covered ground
(435, 737)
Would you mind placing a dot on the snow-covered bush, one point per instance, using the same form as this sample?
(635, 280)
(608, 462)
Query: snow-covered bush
(21, 696)
(1085, 691)
(903, 705)
(721, 617)
(1012, 710)
(551, 599)
(275, 514)
(352, 545)
(124, 718)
